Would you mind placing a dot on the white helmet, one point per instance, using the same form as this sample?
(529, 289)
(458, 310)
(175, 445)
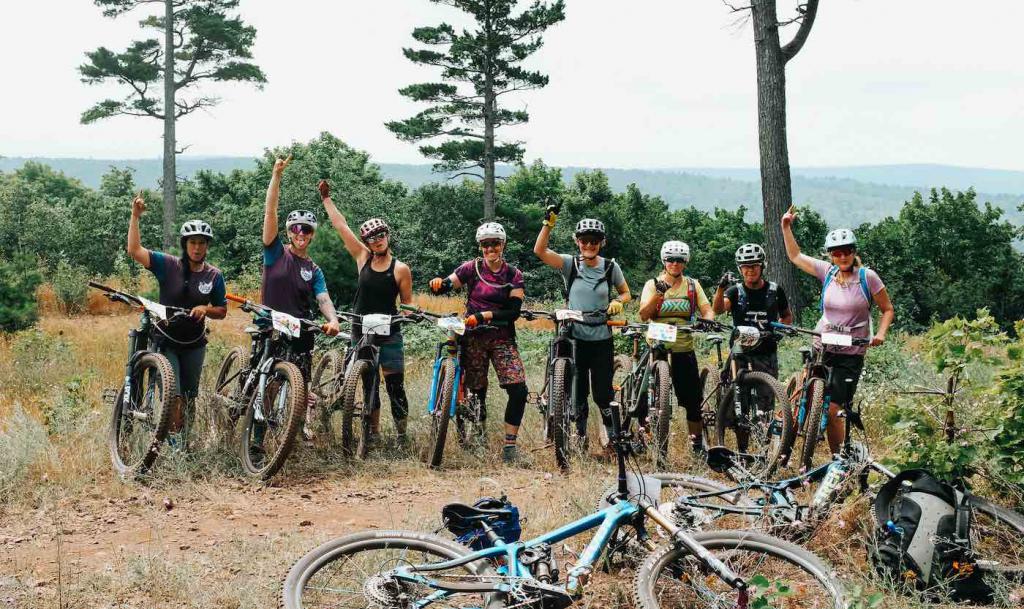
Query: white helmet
(589, 226)
(196, 228)
(301, 216)
(840, 237)
(490, 230)
(750, 253)
(675, 249)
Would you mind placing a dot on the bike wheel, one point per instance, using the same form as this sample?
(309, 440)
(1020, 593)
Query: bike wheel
(694, 502)
(227, 393)
(442, 413)
(139, 424)
(562, 425)
(622, 365)
(327, 383)
(777, 572)
(469, 422)
(661, 412)
(807, 442)
(760, 432)
(709, 400)
(996, 538)
(266, 444)
(352, 572)
(355, 412)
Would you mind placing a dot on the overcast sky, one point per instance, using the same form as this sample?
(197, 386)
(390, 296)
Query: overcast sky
(634, 83)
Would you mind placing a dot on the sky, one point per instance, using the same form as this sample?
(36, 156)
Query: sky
(633, 83)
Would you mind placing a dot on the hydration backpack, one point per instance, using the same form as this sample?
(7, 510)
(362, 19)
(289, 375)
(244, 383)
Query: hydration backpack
(574, 272)
(769, 300)
(923, 537)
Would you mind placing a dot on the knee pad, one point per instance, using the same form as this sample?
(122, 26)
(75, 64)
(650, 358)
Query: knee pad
(517, 394)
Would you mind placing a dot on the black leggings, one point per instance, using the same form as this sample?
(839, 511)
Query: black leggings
(514, 409)
(685, 383)
(395, 384)
(594, 363)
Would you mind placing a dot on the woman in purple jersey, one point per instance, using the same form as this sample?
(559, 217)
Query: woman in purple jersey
(848, 291)
(494, 297)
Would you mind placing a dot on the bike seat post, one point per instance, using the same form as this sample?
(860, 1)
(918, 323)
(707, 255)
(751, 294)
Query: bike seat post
(612, 413)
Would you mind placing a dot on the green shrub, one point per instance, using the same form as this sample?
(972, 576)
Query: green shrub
(70, 286)
(19, 278)
(23, 444)
(63, 411)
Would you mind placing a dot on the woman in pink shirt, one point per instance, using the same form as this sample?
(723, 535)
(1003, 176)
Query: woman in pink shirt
(846, 309)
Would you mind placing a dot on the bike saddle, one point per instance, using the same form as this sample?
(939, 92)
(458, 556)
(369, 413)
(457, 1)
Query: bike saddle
(459, 516)
(805, 349)
(720, 459)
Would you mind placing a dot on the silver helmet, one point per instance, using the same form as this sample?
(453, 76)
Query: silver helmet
(675, 249)
(840, 237)
(196, 228)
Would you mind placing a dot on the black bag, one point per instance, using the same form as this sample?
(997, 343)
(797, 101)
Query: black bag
(923, 537)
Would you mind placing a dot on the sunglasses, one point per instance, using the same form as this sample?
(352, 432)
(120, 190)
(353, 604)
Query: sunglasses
(591, 241)
(675, 261)
(842, 251)
(377, 237)
(491, 243)
(301, 229)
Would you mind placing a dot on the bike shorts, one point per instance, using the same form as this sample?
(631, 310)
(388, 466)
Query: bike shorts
(500, 351)
(844, 366)
(392, 352)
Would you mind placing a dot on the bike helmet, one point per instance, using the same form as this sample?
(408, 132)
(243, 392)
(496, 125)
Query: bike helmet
(490, 230)
(840, 237)
(301, 216)
(750, 253)
(372, 227)
(196, 228)
(675, 249)
(589, 226)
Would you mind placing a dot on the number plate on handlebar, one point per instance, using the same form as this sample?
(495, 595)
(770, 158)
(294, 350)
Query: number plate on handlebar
(564, 314)
(378, 324)
(453, 324)
(839, 340)
(286, 324)
(155, 309)
(665, 333)
(748, 336)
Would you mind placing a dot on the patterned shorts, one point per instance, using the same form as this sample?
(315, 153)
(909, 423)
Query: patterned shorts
(501, 352)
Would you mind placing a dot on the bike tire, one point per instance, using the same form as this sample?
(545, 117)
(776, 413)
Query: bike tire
(297, 593)
(661, 412)
(675, 486)
(674, 561)
(228, 390)
(327, 383)
(561, 423)
(442, 413)
(709, 400)
(996, 539)
(768, 446)
(470, 423)
(622, 365)
(290, 423)
(808, 441)
(355, 413)
(127, 464)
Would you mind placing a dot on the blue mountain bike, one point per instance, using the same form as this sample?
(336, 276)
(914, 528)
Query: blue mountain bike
(406, 570)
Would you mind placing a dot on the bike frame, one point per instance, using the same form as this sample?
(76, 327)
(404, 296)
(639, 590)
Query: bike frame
(814, 369)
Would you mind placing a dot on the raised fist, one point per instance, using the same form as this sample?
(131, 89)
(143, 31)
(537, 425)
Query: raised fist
(324, 188)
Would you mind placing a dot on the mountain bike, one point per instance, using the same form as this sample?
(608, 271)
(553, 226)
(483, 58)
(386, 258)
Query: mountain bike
(557, 400)
(331, 358)
(709, 400)
(706, 569)
(643, 380)
(140, 418)
(360, 389)
(809, 391)
(450, 399)
(753, 414)
(264, 388)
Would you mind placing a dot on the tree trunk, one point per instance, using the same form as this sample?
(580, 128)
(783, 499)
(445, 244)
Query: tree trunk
(170, 181)
(776, 187)
(489, 103)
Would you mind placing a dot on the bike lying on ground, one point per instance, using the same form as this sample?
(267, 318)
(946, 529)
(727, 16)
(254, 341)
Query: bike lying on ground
(141, 411)
(809, 391)
(558, 399)
(264, 388)
(712, 569)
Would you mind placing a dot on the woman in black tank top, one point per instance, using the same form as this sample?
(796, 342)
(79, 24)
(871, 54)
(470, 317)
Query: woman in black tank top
(376, 292)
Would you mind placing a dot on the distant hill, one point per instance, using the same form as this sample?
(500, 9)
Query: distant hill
(843, 194)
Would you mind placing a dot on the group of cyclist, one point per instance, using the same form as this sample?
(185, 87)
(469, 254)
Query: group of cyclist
(495, 290)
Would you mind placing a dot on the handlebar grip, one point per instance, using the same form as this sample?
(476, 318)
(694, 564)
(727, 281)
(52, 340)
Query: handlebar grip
(100, 286)
(621, 323)
(409, 307)
(235, 298)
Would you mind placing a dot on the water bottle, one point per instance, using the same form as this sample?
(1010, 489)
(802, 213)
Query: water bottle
(830, 483)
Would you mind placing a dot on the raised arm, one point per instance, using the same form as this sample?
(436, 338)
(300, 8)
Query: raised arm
(540, 248)
(802, 261)
(135, 250)
(355, 247)
(273, 196)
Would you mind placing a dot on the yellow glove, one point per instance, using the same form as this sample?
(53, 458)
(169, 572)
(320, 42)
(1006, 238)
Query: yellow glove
(615, 308)
(551, 214)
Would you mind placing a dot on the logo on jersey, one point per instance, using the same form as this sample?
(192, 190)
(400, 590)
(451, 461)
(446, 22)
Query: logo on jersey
(307, 274)
(205, 287)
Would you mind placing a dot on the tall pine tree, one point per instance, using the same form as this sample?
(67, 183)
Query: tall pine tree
(199, 42)
(489, 60)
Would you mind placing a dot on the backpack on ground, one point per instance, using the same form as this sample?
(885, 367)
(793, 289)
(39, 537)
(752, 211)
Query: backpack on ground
(923, 537)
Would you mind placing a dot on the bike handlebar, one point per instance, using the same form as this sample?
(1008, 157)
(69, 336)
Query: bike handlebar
(255, 307)
(792, 330)
(133, 300)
